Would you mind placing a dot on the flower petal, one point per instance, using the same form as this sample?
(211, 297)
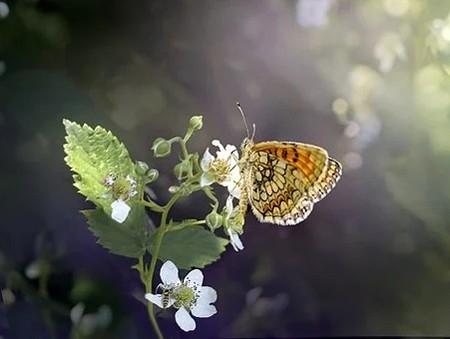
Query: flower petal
(234, 189)
(194, 279)
(226, 153)
(171, 302)
(230, 149)
(229, 206)
(235, 241)
(203, 310)
(155, 298)
(207, 295)
(169, 274)
(206, 160)
(184, 320)
(120, 210)
(206, 179)
(219, 145)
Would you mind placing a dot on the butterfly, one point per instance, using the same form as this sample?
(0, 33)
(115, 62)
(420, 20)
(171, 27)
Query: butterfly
(283, 180)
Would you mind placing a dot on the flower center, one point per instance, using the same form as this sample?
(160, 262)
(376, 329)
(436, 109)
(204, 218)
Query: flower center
(123, 188)
(220, 170)
(185, 296)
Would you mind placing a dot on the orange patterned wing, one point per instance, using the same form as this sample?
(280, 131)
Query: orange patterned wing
(326, 181)
(287, 178)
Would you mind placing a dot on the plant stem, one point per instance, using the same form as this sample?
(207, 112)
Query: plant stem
(149, 274)
(211, 196)
(151, 204)
(155, 325)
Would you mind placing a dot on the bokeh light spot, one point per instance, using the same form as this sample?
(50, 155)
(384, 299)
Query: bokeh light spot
(396, 7)
(340, 106)
(352, 129)
(312, 13)
(4, 10)
(353, 160)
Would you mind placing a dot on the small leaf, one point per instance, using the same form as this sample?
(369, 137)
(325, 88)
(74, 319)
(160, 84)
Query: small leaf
(129, 238)
(190, 247)
(93, 154)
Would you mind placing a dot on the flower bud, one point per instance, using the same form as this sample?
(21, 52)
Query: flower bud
(196, 123)
(152, 175)
(161, 148)
(141, 167)
(181, 169)
(214, 220)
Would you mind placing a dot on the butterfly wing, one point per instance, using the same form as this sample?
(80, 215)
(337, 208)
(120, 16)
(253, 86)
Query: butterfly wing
(326, 181)
(287, 179)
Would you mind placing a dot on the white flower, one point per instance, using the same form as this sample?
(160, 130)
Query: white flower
(223, 169)
(170, 280)
(121, 190)
(188, 296)
(233, 224)
(120, 210)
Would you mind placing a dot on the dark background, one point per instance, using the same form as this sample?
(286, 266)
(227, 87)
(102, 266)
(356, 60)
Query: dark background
(367, 80)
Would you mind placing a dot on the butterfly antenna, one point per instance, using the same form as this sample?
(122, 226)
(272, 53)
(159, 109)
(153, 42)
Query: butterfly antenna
(245, 121)
(254, 131)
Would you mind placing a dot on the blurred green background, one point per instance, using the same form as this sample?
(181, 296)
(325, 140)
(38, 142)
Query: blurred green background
(369, 80)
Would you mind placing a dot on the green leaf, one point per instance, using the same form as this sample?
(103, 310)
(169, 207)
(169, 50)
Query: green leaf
(129, 239)
(93, 154)
(190, 247)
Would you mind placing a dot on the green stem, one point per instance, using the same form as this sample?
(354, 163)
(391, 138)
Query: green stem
(211, 196)
(143, 275)
(182, 143)
(149, 274)
(183, 225)
(151, 204)
(155, 325)
(184, 150)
